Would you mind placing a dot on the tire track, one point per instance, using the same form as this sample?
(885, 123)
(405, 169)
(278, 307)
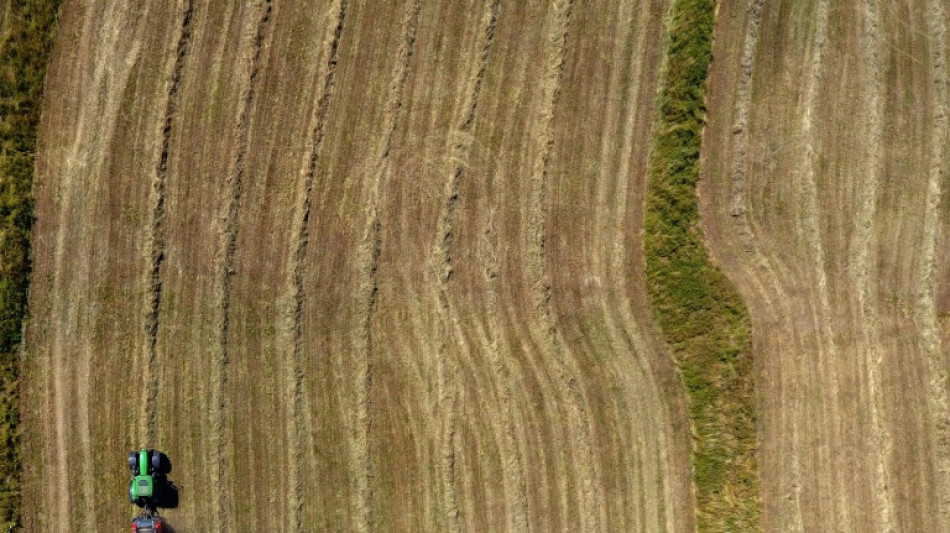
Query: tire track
(870, 319)
(773, 299)
(368, 254)
(926, 313)
(442, 267)
(221, 443)
(545, 326)
(295, 374)
(117, 24)
(156, 246)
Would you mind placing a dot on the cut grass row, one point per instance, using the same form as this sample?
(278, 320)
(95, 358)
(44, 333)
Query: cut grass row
(699, 311)
(25, 44)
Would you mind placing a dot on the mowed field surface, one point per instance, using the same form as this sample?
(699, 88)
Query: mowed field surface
(825, 199)
(375, 266)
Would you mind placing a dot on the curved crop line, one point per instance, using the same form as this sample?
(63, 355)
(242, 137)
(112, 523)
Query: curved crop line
(810, 228)
(156, 251)
(442, 266)
(740, 129)
(541, 283)
(221, 442)
(925, 310)
(488, 249)
(460, 150)
(632, 345)
(871, 46)
(739, 172)
(369, 270)
(298, 418)
(810, 222)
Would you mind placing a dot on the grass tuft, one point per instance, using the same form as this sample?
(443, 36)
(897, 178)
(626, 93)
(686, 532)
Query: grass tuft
(699, 311)
(26, 36)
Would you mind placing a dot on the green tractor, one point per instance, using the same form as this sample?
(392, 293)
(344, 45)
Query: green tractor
(149, 468)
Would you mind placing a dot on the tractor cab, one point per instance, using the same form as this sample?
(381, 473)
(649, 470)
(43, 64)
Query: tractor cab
(143, 487)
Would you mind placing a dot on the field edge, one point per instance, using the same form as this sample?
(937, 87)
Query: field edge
(26, 41)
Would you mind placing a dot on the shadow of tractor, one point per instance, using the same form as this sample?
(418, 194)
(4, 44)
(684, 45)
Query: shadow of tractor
(166, 493)
(166, 497)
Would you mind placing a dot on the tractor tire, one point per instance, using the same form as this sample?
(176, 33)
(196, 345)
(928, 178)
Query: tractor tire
(134, 462)
(163, 465)
(155, 457)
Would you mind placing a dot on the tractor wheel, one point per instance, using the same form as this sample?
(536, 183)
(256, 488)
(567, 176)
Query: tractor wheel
(156, 460)
(131, 492)
(134, 462)
(161, 463)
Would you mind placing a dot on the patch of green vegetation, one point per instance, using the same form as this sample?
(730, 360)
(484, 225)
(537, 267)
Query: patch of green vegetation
(699, 311)
(25, 44)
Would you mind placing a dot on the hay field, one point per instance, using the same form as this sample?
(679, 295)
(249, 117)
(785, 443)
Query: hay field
(355, 266)
(379, 266)
(825, 200)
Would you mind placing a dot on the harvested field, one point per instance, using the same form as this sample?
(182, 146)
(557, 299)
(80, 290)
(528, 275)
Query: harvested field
(358, 266)
(825, 200)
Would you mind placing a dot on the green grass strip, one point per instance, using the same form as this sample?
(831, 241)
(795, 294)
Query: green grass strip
(699, 311)
(26, 36)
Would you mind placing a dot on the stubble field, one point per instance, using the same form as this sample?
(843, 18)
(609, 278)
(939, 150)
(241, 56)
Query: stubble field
(353, 266)
(379, 266)
(825, 199)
